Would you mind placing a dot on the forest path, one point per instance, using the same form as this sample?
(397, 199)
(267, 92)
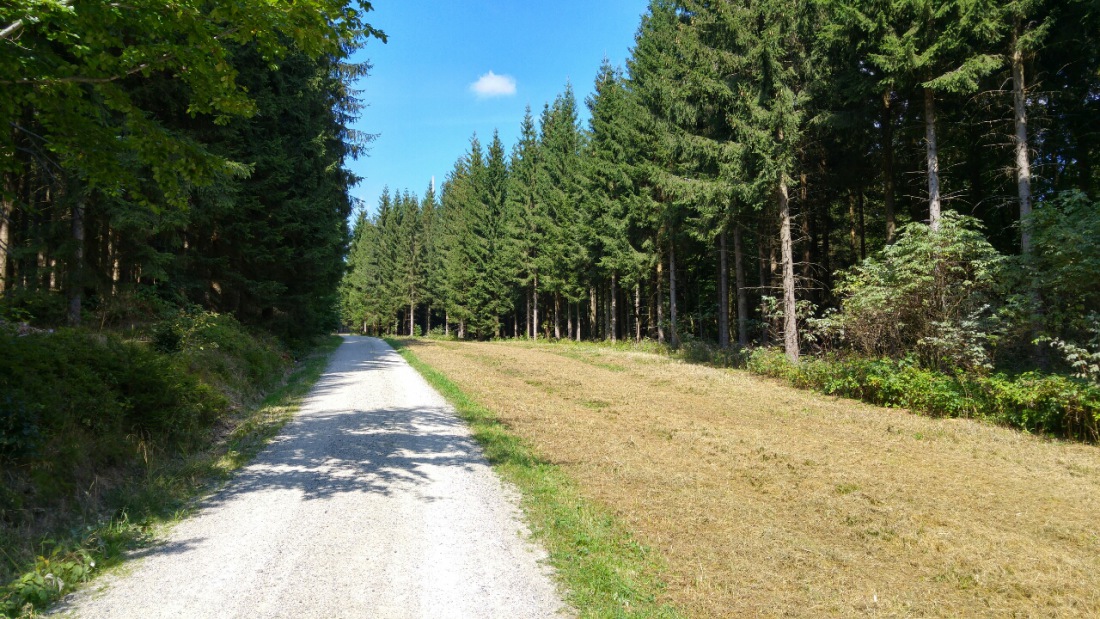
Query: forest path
(373, 502)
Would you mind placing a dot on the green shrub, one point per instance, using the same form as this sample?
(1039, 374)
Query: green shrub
(215, 347)
(932, 294)
(1042, 403)
(82, 397)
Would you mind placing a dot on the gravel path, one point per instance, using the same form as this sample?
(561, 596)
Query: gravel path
(374, 502)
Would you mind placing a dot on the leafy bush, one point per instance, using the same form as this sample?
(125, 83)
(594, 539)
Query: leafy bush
(1043, 403)
(1083, 359)
(82, 410)
(1065, 267)
(221, 352)
(77, 396)
(931, 293)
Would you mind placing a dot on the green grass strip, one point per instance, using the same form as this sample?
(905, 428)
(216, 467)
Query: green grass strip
(168, 492)
(605, 571)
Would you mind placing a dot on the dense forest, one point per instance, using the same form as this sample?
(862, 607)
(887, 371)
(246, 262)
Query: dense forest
(161, 155)
(173, 227)
(912, 179)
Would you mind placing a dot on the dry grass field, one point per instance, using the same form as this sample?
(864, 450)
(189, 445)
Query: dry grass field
(769, 501)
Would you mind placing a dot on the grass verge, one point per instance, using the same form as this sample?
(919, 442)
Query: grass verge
(606, 572)
(168, 490)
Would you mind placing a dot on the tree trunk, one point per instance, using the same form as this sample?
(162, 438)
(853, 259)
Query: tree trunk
(76, 273)
(412, 319)
(853, 224)
(1023, 164)
(577, 337)
(933, 161)
(528, 331)
(593, 327)
(535, 301)
(674, 334)
(723, 291)
(888, 165)
(637, 312)
(790, 324)
(660, 298)
(7, 207)
(763, 274)
(568, 320)
(742, 294)
(557, 315)
(614, 306)
(447, 323)
(461, 328)
(427, 319)
(807, 233)
(862, 229)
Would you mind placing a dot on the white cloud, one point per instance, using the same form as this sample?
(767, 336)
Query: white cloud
(493, 85)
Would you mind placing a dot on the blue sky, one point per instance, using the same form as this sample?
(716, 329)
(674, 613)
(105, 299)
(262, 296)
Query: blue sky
(420, 96)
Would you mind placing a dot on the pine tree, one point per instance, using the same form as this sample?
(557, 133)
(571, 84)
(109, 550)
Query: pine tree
(530, 216)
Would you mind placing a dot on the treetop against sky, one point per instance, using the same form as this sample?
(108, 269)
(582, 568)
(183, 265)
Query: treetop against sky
(451, 69)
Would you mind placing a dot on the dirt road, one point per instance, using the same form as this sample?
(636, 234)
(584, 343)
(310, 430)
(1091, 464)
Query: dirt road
(373, 502)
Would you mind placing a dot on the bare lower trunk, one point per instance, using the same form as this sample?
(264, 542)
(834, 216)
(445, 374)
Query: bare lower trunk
(723, 291)
(933, 161)
(577, 335)
(447, 323)
(535, 301)
(528, 313)
(674, 334)
(568, 320)
(853, 220)
(790, 324)
(742, 294)
(1023, 163)
(76, 275)
(660, 299)
(7, 206)
(862, 228)
(888, 166)
(763, 274)
(614, 306)
(637, 312)
(412, 319)
(461, 328)
(557, 315)
(593, 327)
(427, 319)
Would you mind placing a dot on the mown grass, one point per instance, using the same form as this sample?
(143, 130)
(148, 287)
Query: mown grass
(605, 571)
(143, 506)
(765, 500)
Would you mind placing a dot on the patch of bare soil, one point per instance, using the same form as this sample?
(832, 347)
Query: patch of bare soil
(767, 500)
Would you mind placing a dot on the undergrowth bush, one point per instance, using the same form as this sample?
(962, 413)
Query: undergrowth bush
(216, 348)
(85, 414)
(1042, 403)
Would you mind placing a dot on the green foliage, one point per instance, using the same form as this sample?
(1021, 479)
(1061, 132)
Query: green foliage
(1041, 403)
(932, 293)
(217, 349)
(1083, 359)
(1065, 266)
(107, 511)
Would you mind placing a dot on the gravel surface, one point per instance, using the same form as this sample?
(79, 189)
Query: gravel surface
(373, 502)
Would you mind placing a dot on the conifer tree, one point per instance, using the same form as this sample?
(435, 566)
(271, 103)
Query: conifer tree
(530, 216)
